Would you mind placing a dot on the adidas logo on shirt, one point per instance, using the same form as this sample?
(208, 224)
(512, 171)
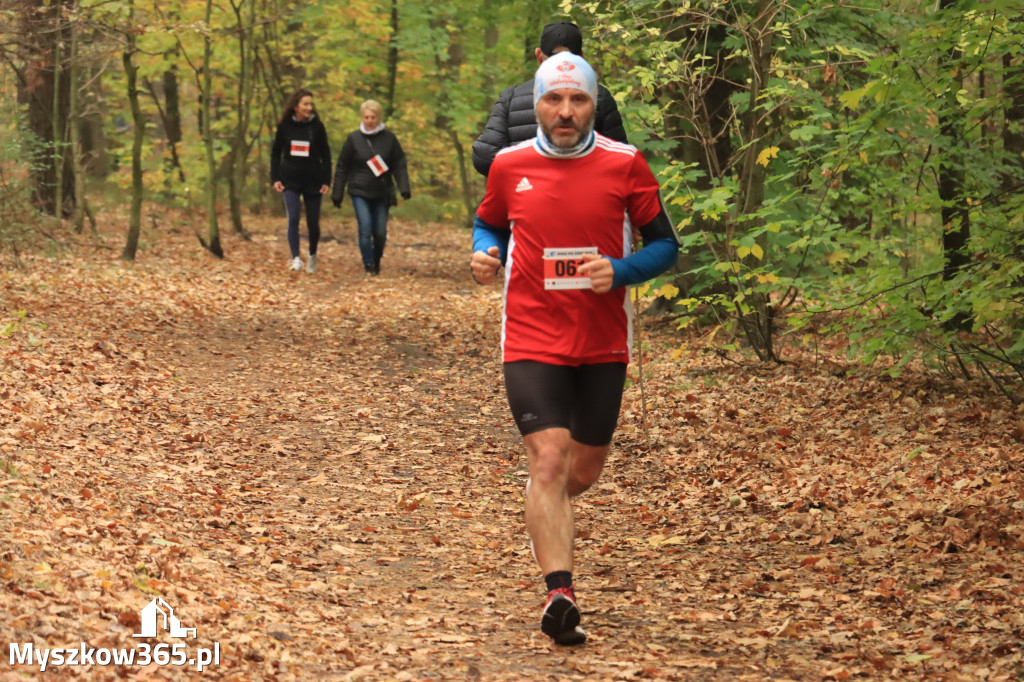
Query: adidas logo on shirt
(523, 185)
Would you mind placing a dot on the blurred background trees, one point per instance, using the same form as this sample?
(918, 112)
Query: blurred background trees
(842, 173)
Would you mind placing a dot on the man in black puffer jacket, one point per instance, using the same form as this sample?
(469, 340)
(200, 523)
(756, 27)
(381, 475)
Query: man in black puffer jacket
(512, 119)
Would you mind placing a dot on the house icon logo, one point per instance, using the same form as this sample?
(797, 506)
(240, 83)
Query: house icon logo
(150, 620)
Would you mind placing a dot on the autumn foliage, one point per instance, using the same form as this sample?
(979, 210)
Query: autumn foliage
(320, 473)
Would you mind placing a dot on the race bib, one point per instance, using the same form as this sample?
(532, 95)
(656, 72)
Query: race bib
(377, 165)
(300, 148)
(561, 268)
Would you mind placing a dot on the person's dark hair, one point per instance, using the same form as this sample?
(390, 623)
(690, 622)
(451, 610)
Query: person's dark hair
(561, 34)
(292, 102)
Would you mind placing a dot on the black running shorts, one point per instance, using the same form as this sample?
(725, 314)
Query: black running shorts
(584, 399)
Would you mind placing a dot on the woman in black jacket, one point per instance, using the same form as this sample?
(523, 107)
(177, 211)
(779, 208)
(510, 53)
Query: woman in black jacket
(369, 164)
(300, 168)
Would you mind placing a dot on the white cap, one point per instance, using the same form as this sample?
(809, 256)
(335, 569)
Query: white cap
(565, 70)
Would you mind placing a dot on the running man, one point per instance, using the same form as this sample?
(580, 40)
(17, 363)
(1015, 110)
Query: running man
(512, 119)
(557, 215)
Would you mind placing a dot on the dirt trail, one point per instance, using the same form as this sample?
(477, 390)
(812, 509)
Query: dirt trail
(320, 474)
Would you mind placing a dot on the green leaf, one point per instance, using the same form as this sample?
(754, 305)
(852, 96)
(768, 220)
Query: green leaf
(806, 132)
(851, 98)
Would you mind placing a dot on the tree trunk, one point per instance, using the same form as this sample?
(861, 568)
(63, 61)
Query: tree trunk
(712, 105)
(467, 195)
(206, 91)
(74, 116)
(956, 216)
(58, 119)
(169, 122)
(1013, 128)
(240, 146)
(172, 105)
(93, 137)
(47, 100)
(755, 312)
(449, 64)
(392, 61)
(170, 119)
(131, 76)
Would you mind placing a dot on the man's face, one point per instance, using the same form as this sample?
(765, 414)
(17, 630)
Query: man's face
(566, 115)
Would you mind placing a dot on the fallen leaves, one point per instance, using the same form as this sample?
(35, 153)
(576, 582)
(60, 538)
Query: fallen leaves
(321, 474)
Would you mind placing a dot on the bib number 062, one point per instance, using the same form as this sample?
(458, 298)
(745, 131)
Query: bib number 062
(561, 268)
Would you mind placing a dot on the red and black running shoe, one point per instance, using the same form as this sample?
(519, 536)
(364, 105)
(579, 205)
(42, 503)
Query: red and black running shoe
(561, 619)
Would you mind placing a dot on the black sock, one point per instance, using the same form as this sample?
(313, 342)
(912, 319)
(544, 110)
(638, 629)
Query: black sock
(557, 579)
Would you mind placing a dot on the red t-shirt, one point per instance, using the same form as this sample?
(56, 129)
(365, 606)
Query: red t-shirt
(566, 203)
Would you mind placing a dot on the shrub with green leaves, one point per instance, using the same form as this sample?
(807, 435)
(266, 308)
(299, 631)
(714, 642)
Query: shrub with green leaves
(837, 168)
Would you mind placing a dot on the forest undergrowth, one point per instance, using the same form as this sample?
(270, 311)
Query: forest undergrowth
(320, 475)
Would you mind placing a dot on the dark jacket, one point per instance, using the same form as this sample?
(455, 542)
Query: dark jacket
(353, 172)
(306, 174)
(512, 120)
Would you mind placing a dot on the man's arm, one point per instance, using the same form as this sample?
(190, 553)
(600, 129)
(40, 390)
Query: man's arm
(490, 248)
(494, 138)
(659, 253)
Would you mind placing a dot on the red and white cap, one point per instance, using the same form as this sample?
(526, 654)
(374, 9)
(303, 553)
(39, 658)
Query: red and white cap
(565, 70)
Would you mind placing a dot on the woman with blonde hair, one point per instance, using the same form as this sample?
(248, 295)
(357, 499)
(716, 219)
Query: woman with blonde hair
(369, 165)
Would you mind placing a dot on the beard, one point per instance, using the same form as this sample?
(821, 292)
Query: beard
(569, 140)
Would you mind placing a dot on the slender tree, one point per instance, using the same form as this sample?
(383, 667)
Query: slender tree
(205, 78)
(74, 122)
(241, 144)
(392, 61)
(131, 71)
(1013, 120)
(955, 213)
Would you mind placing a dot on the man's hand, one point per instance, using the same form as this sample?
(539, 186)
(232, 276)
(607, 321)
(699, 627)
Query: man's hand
(484, 266)
(324, 189)
(279, 186)
(600, 271)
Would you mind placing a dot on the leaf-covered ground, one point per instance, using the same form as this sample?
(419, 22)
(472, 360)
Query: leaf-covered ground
(319, 473)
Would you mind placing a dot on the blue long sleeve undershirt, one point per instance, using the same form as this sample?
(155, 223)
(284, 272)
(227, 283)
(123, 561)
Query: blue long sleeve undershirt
(649, 262)
(485, 236)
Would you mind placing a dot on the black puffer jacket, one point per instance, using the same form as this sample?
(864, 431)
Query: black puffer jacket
(512, 120)
(353, 172)
(306, 174)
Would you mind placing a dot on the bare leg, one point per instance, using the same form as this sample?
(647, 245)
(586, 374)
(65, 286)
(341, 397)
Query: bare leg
(549, 519)
(559, 467)
(586, 466)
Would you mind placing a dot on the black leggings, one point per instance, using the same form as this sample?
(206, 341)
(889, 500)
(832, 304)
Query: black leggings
(292, 201)
(584, 399)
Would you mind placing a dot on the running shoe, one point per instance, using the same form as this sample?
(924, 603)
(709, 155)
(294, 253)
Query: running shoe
(312, 263)
(296, 263)
(561, 619)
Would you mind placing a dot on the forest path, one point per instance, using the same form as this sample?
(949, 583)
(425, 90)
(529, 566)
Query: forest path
(320, 474)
